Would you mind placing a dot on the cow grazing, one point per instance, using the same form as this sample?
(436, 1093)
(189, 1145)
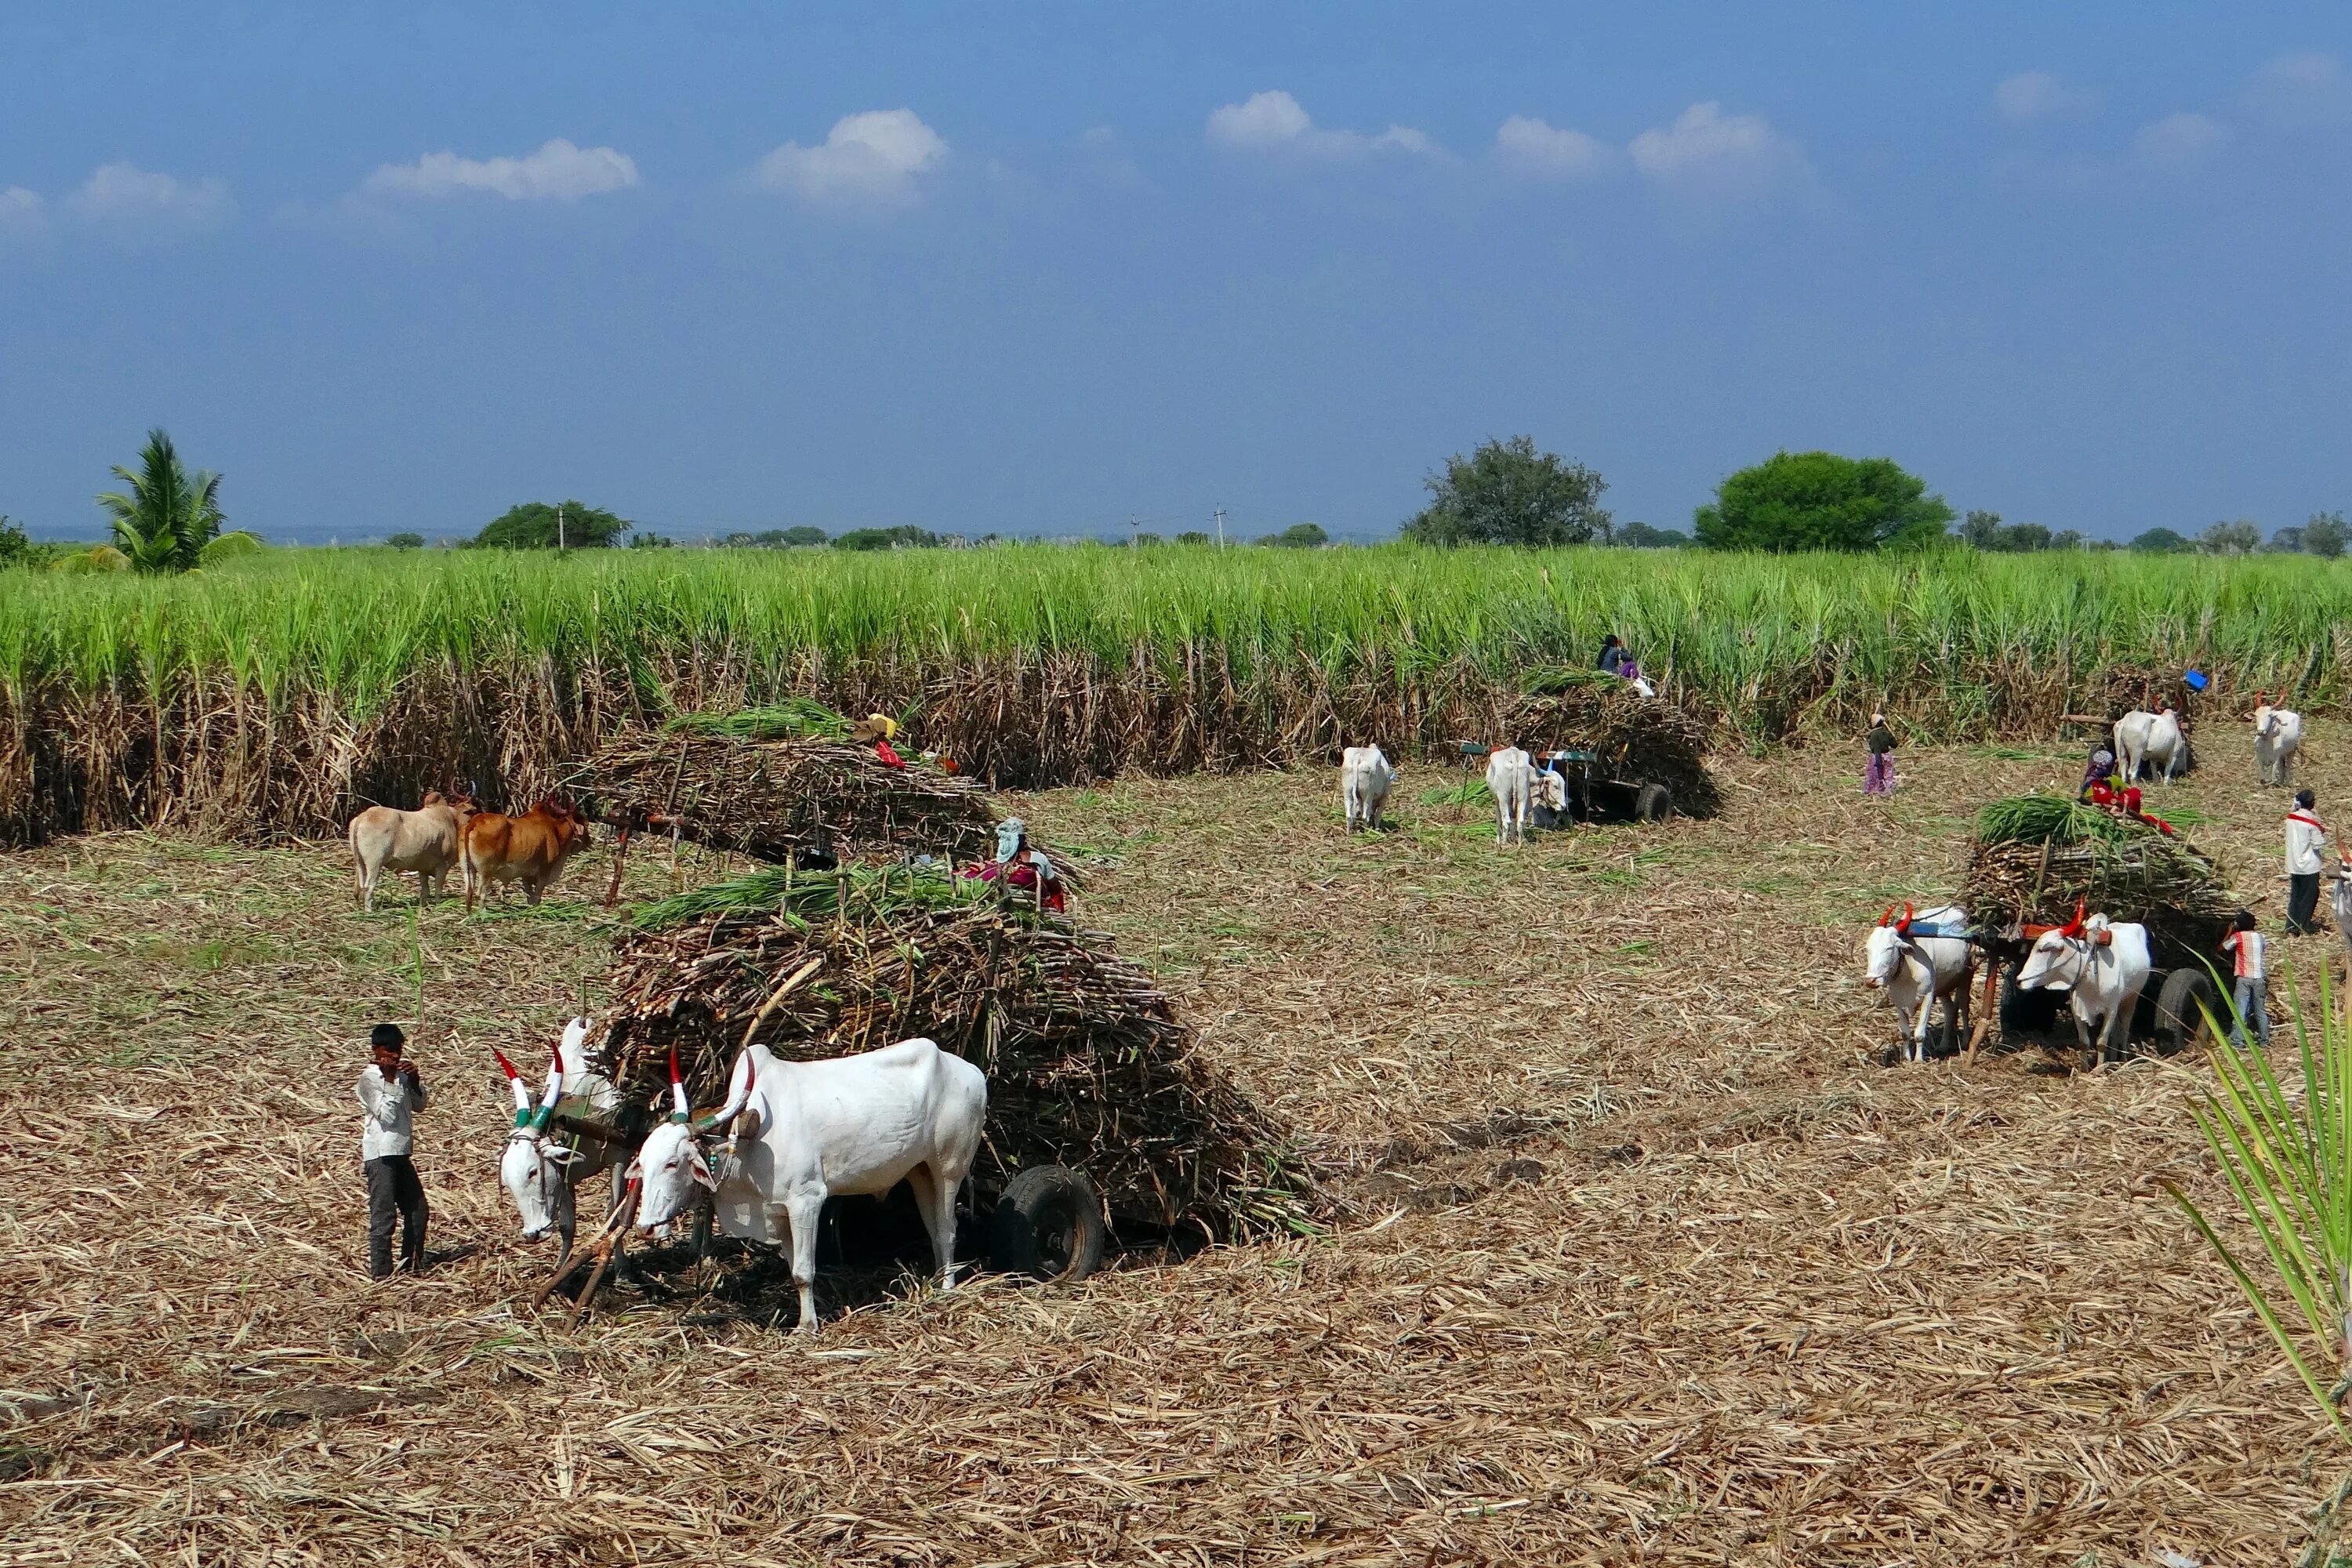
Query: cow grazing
(424, 841)
(531, 848)
(1365, 776)
(908, 1112)
(1919, 959)
(1510, 776)
(2278, 735)
(2103, 968)
(542, 1173)
(2152, 740)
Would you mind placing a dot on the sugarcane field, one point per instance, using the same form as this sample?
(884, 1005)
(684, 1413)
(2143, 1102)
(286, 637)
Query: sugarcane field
(899, 785)
(1345, 1192)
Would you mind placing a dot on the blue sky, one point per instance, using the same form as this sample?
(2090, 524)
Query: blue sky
(1043, 269)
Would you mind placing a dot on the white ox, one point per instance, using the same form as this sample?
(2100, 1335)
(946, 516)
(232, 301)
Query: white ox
(1509, 777)
(908, 1112)
(1916, 970)
(424, 841)
(2101, 967)
(1365, 776)
(2153, 739)
(540, 1173)
(2278, 735)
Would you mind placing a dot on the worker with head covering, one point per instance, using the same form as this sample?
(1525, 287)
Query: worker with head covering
(2097, 772)
(1019, 864)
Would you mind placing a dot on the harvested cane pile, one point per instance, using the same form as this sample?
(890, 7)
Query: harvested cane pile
(2037, 856)
(770, 781)
(1642, 740)
(1086, 1064)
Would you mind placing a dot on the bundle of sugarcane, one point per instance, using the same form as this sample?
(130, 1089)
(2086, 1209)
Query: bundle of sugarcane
(771, 782)
(2038, 856)
(1642, 740)
(1086, 1063)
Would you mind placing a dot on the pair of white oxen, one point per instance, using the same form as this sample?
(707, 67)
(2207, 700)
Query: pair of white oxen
(1366, 776)
(799, 1132)
(1923, 956)
(2154, 741)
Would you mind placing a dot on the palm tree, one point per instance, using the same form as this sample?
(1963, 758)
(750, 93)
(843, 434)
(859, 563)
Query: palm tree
(164, 521)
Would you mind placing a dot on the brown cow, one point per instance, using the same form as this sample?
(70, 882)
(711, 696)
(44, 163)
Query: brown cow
(529, 848)
(424, 841)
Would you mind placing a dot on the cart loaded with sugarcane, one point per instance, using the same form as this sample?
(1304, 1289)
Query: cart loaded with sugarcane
(2045, 863)
(1105, 1125)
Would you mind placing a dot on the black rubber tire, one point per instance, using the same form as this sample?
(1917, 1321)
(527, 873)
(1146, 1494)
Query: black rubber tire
(2180, 1008)
(1651, 802)
(1048, 1225)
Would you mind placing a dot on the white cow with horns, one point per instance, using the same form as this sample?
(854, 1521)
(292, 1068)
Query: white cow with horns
(2102, 967)
(2278, 736)
(1365, 777)
(1510, 775)
(2150, 739)
(908, 1112)
(1918, 960)
(541, 1172)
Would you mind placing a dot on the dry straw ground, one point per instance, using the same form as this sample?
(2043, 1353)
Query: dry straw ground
(1654, 1262)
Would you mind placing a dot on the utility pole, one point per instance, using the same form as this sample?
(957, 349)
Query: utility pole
(559, 528)
(1220, 515)
(1134, 539)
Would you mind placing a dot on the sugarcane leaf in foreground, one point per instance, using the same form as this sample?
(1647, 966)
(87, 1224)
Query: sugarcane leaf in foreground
(2287, 1162)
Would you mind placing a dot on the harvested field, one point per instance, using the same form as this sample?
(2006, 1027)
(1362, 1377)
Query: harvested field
(1653, 1262)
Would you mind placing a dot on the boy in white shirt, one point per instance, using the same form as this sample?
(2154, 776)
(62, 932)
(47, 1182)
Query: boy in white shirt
(2248, 993)
(390, 1090)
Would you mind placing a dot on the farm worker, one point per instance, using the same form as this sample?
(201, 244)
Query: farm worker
(1878, 773)
(390, 1093)
(2245, 945)
(2096, 775)
(2304, 833)
(1017, 865)
(1612, 655)
(880, 728)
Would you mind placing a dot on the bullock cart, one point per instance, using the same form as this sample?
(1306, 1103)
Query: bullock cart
(1626, 756)
(1105, 1123)
(2037, 860)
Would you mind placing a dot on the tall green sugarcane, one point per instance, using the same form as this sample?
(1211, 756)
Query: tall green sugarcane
(2288, 1162)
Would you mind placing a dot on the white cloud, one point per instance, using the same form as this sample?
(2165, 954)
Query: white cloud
(1106, 159)
(1273, 122)
(1708, 155)
(124, 196)
(2030, 96)
(2182, 141)
(874, 156)
(2299, 90)
(559, 172)
(23, 214)
(1529, 146)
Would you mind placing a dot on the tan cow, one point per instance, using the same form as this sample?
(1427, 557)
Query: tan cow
(531, 848)
(424, 841)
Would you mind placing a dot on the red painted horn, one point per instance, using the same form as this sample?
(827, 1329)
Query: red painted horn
(2074, 926)
(1903, 926)
(505, 1066)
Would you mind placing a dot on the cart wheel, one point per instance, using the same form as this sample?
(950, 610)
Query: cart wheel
(1652, 803)
(1048, 1224)
(2181, 1007)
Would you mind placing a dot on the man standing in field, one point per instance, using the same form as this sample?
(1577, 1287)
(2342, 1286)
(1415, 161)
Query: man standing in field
(390, 1093)
(2304, 833)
